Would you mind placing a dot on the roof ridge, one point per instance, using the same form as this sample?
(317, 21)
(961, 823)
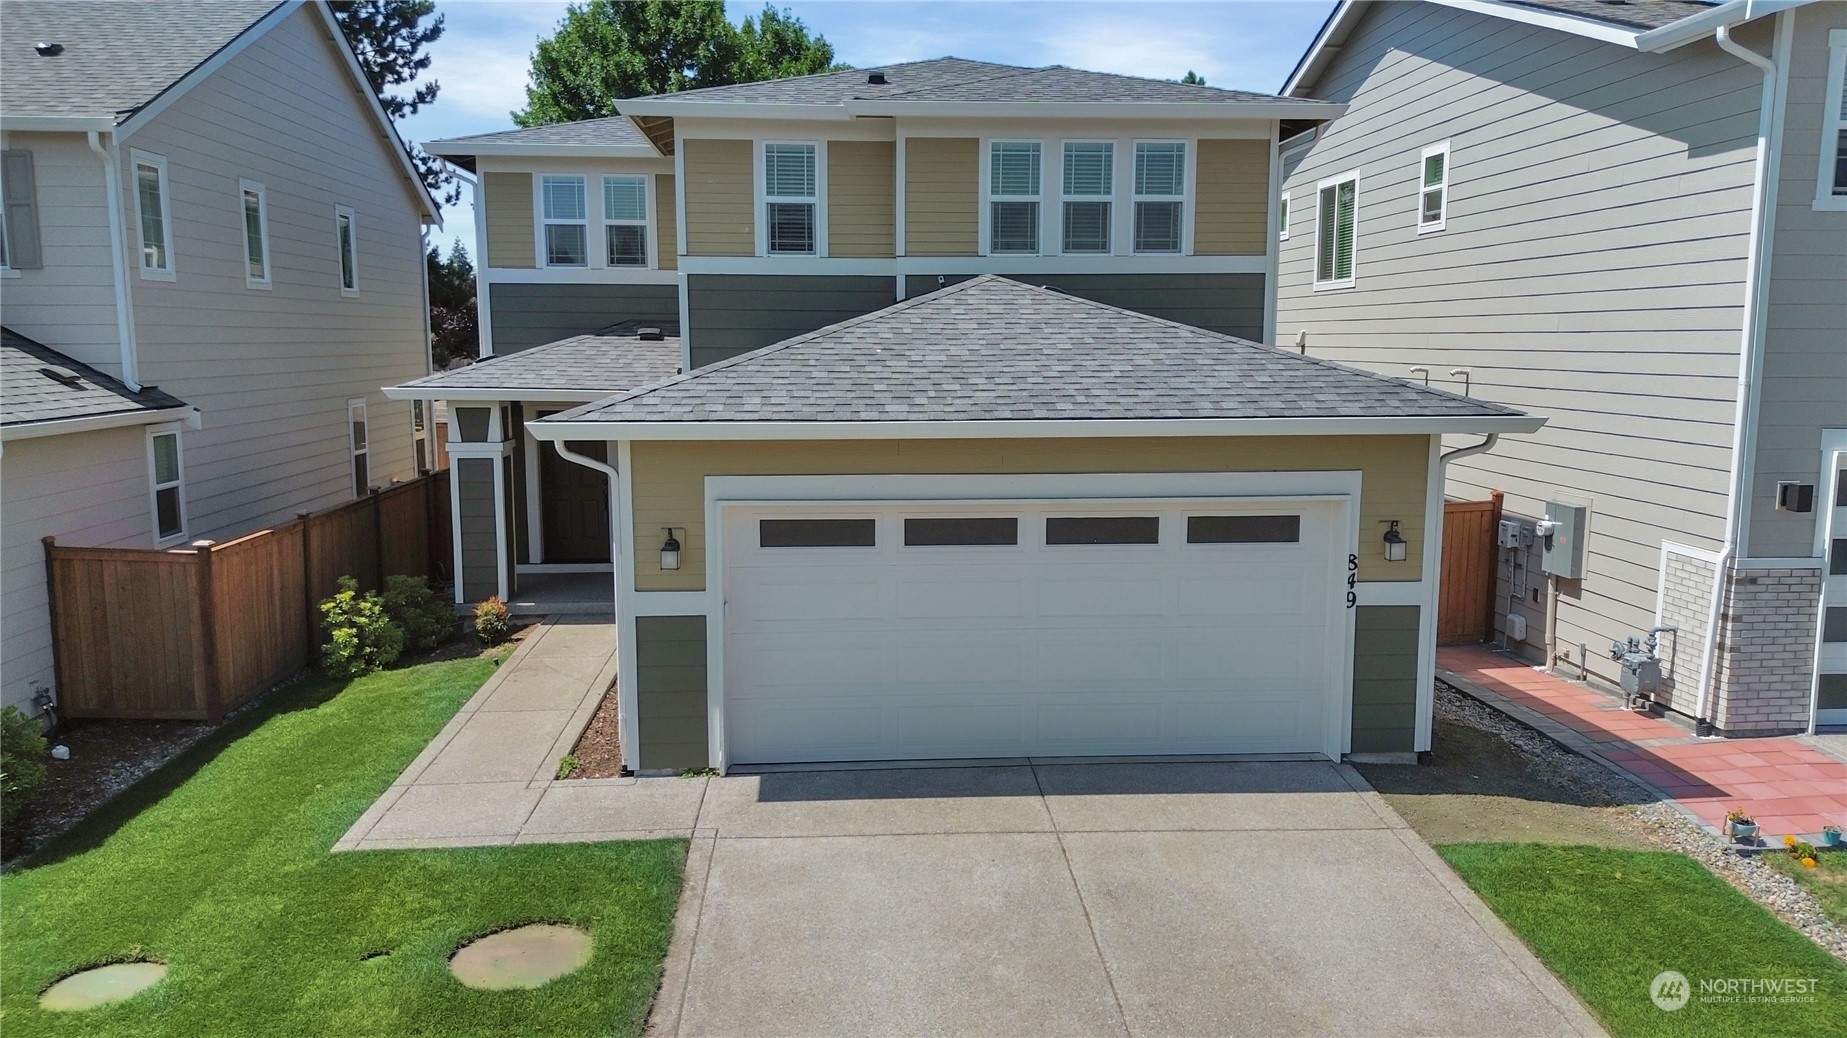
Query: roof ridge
(812, 75)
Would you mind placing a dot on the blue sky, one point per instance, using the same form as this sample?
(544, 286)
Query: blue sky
(481, 60)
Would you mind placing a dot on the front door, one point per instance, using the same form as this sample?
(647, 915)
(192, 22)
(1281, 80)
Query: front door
(574, 504)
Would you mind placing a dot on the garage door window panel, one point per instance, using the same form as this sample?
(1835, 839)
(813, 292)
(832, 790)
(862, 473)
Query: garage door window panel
(986, 531)
(1243, 529)
(817, 533)
(1103, 529)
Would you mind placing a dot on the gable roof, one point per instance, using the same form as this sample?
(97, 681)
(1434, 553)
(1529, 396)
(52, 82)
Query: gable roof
(43, 388)
(610, 360)
(614, 137)
(991, 353)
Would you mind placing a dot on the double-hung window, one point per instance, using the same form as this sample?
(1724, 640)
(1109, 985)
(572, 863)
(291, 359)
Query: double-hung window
(346, 241)
(1160, 195)
(1089, 183)
(153, 213)
(1831, 178)
(166, 489)
(1282, 217)
(356, 443)
(790, 193)
(254, 205)
(1336, 215)
(625, 220)
(1433, 188)
(1013, 197)
(562, 211)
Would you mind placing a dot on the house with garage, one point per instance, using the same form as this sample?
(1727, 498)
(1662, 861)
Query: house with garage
(1631, 217)
(211, 261)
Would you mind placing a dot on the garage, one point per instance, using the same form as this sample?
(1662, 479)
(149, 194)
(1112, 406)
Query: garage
(933, 630)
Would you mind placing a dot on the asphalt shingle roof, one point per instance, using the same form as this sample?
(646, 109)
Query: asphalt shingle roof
(609, 360)
(1631, 14)
(613, 130)
(117, 56)
(992, 349)
(28, 394)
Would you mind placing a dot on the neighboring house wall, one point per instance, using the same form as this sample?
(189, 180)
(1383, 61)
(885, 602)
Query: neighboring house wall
(527, 314)
(1591, 269)
(272, 368)
(68, 301)
(942, 196)
(86, 489)
(861, 195)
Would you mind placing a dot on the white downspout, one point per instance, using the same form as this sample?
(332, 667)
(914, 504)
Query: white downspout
(124, 316)
(1483, 447)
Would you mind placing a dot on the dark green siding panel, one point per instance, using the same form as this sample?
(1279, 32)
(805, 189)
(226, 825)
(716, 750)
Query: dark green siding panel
(1231, 304)
(670, 691)
(474, 484)
(1385, 679)
(731, 314)
(533, 315)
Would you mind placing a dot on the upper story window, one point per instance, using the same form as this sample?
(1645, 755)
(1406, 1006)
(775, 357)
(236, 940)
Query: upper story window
(1831, 179)
(1336, 220)
(625, 220)
(1160, 195)
(1013, 197)
(19, 241)
(1089, 184)
(1282, 217)
(166, 489)
(346, 240)
(1433, 188)
(152, 211)
(790, 193)
(566, 220)
(255, 206)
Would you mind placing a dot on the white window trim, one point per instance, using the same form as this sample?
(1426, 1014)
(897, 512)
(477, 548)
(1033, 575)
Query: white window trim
(760, 179)
(1189, 155)
(137, 159)
(1832, 123)
(339, 249)
(649, 246)
(1353, 274)
(155, 486)
(988, 197)
(354, 450)
(1282, 209)
(1442, 219)
(540, 222)
(1115, 190)
(245, 184)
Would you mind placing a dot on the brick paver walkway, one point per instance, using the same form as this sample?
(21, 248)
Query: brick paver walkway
(1787, 785)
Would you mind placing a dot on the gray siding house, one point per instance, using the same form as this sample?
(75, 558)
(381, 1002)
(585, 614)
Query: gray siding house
(1631, 218)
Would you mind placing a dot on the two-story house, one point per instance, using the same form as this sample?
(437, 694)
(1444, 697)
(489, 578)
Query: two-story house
(1632, 217)
(211, 263)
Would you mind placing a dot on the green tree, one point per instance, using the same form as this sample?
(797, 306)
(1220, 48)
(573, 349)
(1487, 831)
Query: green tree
(454, 323)
(1193, 78)
(390, 38)
(605, 50)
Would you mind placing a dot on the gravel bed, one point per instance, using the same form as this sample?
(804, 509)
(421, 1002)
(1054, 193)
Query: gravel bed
(1661, 822)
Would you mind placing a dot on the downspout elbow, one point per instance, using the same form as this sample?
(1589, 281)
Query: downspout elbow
(1483, 447)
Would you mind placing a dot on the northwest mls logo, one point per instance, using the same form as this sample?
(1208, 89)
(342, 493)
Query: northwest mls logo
(1669, 990)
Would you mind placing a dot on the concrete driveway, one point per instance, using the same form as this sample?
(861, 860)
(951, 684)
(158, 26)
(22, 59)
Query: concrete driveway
(1250, 898)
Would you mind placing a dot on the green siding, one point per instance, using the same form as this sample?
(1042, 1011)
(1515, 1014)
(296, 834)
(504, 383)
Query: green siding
(1231, 304)
(736, 313)
(670, 691)
(474, 483)
(1385, 679)
(525, 316)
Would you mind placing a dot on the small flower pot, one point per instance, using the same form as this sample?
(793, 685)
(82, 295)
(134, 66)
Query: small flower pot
(1744, 832)
(1831, 837)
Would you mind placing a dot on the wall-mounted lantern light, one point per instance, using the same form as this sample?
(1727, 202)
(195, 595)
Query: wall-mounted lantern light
(1395, 546)
(670, 551)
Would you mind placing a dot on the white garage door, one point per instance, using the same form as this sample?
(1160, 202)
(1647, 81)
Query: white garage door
(896, 632)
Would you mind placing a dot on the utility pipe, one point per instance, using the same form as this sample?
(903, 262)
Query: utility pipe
(124, 316)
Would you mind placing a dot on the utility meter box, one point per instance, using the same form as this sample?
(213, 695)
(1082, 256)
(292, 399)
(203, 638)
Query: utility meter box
(1564, 543)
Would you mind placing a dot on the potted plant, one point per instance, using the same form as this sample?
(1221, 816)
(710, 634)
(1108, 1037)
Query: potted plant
(1831, 835)
(1740, 825)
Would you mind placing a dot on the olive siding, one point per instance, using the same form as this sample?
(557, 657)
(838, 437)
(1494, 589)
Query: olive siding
(669, 479)
(670, 692)
(666, 230)
(1591, 268)
(721, 206)
(1385, 642)
(1231, 304)
(509, 219)
(942, 196)
(1804, 383)
(729, 314)
(531, 315)
(861, 198)
(474, 484)
(1231, 207)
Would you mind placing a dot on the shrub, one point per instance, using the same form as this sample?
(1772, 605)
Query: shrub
(427, 620)
(22, 760)
(361, 638)
(492, 621)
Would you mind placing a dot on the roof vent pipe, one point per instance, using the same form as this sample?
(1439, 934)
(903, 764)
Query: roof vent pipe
(649, 334)
(48, 49)
(876, 78)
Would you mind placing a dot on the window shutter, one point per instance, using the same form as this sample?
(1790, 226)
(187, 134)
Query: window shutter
(22, 237)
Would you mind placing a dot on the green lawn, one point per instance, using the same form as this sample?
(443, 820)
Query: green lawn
(1827, 880)
(219, 866)
(1608, 920)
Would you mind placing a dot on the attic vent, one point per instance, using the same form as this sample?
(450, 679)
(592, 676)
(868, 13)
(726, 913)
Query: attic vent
(876, 78)
(649, 334)
(47, 49)
(62, 376)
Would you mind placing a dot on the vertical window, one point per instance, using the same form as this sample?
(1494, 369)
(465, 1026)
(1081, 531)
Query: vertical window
(1282, 217)
(151, 210)
(165, 486)
(1090, 181)
(561, 202)
(1013, 197)
(1160, 195)
(255, 206)
(419, 437)
(1433, 188)
(19, 230)
(1831, 180)
(347, 241)
(625, 221)
(1336, 208)
(356, 441)
(789, 193)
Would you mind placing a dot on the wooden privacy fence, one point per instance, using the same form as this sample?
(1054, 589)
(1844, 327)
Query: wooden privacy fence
(1465, 602)
(194, 632)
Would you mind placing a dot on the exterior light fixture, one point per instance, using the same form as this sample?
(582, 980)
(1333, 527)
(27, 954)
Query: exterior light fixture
(670, 551)
(1395, 546)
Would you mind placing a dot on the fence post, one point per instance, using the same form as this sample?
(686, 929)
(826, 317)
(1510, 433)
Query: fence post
(1490, 600)
(310, 611)
(51, 612)
(378, 537)
(207, 675)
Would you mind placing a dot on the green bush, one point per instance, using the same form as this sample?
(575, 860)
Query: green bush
(361, 638)
(492, 621)
(427, 620)
(22, 760)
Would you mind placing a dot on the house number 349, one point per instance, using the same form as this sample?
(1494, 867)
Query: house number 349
(1353, 580)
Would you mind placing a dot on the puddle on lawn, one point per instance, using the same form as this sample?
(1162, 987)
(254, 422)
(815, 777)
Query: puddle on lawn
(524, 957)
(102, 985)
